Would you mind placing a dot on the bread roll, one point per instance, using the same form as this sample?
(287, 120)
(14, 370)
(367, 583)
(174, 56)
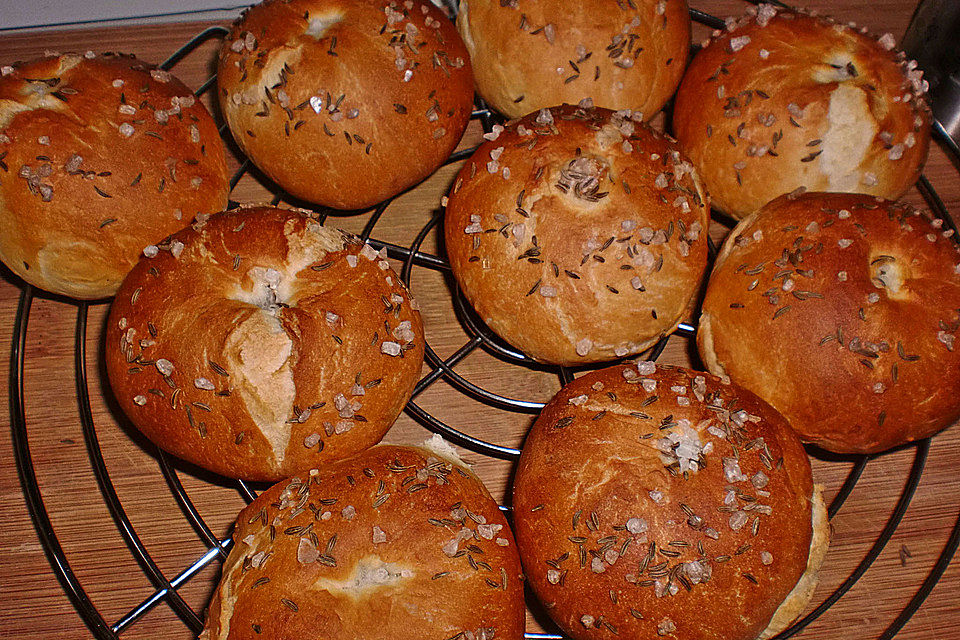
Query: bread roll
(578, 234)
(396, 542)
(530, 55)
(99, 157)
(840, 310)
(258, 343)
(345, 102)
(653, 501)
(783, 102)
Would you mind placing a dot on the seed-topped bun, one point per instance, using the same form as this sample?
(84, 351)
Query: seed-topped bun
(345, 102)
(530, 55)
(841, 311)
(258, 343)
(578, 234)
(99, 157)
(783, 101)
(396, 542)
(653, 501)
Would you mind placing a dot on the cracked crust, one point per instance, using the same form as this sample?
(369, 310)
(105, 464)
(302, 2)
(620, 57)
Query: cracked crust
(840, 310)
(257, 343)
(102, 155)
(345, 102)
(395, 542)
(578, 234)
(782, 101)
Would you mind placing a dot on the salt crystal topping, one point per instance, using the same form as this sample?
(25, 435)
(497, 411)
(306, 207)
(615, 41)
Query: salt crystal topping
(544, 117)
(947, 339)
(203, 383)
(738, 519)
(684, 443)
(759, 480)
(636, 525)
(739, 43)
(764, 13)
(583, 346)
(164, 366)
(731, 470)
(390, 348)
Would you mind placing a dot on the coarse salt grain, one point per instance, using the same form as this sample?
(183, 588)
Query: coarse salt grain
(736, 44)
(390, 348)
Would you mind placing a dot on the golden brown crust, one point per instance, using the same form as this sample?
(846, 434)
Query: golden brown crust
(258, 343)
(797, 600)
(840, 311)
(578, 234)
(99, 157)
(395, 542)
(342, 102)
(782, 101)
(531, 55)
(618, 541)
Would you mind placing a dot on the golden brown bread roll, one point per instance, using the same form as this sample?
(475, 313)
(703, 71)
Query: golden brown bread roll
(531, 55)
(653, 501)
(345, 102)
(99, 157)
(840, 310)
(578, 234)
(258, 343)
(783, 101)
(396, 542)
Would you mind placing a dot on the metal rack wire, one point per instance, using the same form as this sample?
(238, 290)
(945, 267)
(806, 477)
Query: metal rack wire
(479, 337)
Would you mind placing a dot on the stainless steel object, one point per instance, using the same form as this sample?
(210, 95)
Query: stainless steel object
(933, 40)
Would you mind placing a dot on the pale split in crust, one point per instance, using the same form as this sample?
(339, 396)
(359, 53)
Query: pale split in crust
(781, 102)
(100, 155)
(257, 343)
(578, 233)
(840, 310)
(345, 103)
(396, 542)
(648, 495)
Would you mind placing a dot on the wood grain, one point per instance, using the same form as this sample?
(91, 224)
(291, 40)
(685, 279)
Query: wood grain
(33, 602)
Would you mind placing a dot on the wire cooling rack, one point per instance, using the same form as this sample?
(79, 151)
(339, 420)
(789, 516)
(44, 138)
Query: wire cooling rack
(412, 257)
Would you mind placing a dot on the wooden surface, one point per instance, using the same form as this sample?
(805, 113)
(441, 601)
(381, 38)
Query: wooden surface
(32, 603)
